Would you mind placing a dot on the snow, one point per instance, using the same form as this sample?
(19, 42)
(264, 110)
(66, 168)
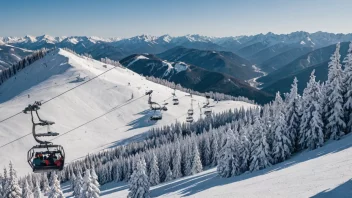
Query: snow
(57, 73)
(169, 68)
(137, 59)
(181, 66)
(321, 173)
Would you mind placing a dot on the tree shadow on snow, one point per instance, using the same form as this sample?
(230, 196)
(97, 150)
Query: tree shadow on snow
(135, 138)
(198, 183)
(112, 188)
(143, 121)
(342, 191)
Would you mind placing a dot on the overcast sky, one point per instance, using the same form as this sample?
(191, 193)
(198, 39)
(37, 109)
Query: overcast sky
(126, 18)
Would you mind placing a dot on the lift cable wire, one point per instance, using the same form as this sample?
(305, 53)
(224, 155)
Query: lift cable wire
(63, 92)
(111, 110)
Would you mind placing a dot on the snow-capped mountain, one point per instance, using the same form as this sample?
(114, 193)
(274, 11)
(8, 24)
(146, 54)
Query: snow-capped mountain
(192, 76)
(56, 73)
(10, 55)
(246, 46)
(319, 57)
(217, 61)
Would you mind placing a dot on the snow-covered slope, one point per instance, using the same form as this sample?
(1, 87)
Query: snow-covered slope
(321, 173)
(56, 73)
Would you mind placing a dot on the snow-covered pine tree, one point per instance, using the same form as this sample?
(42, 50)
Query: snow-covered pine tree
(333, 111)
(37, 193)
(311, 127)
(176, 162)
(281, 143)
(347, 87)
(261, 156)
(1, 181)
(94, 178)
(169, 176)
(55, 188)
(206, 153)
(224, 167)
(154, 178)
(45, 184)
(196, 162)
(78, 185)
(72, 180)
(214, 148)
(292, 113)
(139, 183)
(12, 188)
(89, 189)
(26, 192)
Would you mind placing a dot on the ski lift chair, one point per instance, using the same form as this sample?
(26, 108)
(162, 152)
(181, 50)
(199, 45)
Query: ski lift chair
(190, 112)
(189, 119)
(156, 116)
(175, 101)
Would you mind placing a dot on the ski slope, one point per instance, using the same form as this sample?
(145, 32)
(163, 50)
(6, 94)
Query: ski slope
(57, 73)
(322, 173)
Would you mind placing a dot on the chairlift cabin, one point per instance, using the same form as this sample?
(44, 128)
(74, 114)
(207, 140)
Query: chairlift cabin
(208, 112)
(189, 119)
(156, 116)
(155, 106)
(46, 156)
(175, 101)
(54, 155)
(190, 112)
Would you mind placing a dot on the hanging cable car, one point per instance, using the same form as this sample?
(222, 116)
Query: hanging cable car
(157, 115)
(208, 112)
(175, 101)
(46, 156)
(189, 119)
(190, 112)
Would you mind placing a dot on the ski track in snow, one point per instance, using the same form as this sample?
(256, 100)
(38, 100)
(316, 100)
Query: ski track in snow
(43, 81)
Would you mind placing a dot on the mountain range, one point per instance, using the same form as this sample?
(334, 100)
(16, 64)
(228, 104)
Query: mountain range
(193, 77)
(239, 58)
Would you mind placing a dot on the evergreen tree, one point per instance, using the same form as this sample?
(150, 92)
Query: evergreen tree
(214, 148)
(333, 110)
(154, 178)
(261, 156)
(139, 184)
(347, 87)
(196, 162)
(45, 183)
(26, 192)
(1, 189)
(225, 159)
(176, 162)
(292, 112)
(37, 193)
(206, 152)
(169, 176)
(94, 178)
(89, 189)
(12, 189)
(55, 188)
(311, 128)
(78, 185)
(73, 181)
(281, 142)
